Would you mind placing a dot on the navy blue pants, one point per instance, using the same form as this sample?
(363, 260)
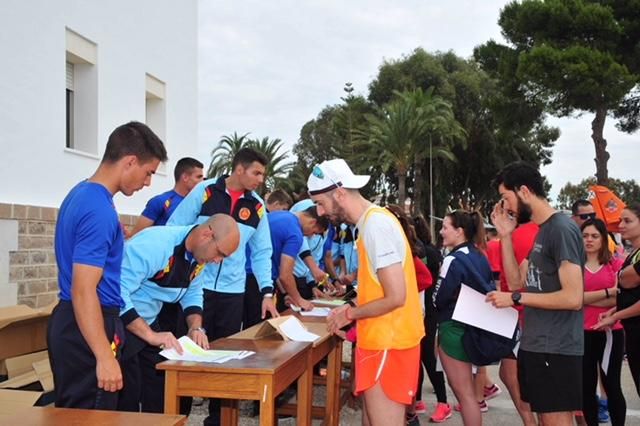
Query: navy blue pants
(73, 363)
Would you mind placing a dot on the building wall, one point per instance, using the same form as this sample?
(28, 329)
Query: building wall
(156, 37)
(133, 39)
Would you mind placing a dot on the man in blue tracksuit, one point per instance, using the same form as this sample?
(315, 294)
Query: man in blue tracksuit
(162, 265)
(224, 284)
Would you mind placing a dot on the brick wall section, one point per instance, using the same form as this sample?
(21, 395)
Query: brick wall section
(33, 266)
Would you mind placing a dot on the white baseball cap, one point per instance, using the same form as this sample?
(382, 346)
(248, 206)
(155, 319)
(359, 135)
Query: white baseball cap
(332, 174)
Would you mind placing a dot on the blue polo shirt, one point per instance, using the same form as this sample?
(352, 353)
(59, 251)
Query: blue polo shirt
(160, 207)
(286, 237)
(88, 232)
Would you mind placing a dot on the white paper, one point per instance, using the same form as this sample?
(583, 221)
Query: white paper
(294, 330)
(192, 352)
(316, 312)
(472, 309)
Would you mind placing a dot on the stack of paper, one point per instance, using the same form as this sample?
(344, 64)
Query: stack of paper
(192, 352)
(328, 302)
(316, 312)
(294, 330)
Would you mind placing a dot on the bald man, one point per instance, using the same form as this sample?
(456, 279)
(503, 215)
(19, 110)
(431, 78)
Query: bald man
(162, 264)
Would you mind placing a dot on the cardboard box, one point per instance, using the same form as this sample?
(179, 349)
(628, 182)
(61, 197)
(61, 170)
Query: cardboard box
(270, 330)
(23, 330)
(12, 401)
(30, 378)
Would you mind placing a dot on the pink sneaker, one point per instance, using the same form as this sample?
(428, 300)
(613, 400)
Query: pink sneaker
(492, 391)
(442, 413)
(420, 407)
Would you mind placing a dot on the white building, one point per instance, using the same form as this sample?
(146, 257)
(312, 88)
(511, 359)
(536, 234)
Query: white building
(71, 72)
(119, 61)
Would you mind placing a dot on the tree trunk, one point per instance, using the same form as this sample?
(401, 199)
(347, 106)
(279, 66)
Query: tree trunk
(418, 163)
(402, 177)
(602, 156)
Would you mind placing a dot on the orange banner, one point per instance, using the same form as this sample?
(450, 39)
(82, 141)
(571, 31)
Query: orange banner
(607, 206)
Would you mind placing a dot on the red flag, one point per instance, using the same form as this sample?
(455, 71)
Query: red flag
(607, 205)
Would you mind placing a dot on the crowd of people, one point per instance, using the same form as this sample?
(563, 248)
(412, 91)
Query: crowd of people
(211, 257)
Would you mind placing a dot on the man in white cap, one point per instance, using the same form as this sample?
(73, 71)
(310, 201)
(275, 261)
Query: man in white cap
(388, 310)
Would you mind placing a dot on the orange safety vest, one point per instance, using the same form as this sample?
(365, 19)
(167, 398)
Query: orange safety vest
(401, 328)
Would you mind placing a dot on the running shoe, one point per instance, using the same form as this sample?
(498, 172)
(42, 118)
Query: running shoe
(492, 391)
(412, 419)
(442, 413)
(420, 407)
(484, 407)
(603, 411)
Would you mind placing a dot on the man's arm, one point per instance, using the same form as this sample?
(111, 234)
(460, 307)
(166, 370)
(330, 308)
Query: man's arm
(394, 288)
(189, 208)
(569, 297)
(88, 314)
(161, 339)
(505, 225)
(289, 283)
(196, 332)
(142, 223)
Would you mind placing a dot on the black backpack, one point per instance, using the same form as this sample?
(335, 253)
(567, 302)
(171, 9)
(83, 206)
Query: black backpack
(481, 346)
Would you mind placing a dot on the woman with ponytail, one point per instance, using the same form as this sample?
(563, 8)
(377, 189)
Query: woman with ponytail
(462, 232)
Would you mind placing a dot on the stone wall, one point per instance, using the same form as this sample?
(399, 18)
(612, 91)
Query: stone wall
(32, 269)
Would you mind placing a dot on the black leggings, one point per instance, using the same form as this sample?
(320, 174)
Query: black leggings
(594, 343)
(632, 348)
(428, 352)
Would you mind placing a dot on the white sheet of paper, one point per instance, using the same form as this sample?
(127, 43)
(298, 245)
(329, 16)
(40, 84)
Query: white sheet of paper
(192, 352)
(316, 312)
(473, 310)
(294, 330)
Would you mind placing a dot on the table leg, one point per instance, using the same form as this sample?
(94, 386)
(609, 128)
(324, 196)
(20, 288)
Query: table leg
(171, 399)
(267, 403)
(229, 412)
(334, 370)
(305, 394)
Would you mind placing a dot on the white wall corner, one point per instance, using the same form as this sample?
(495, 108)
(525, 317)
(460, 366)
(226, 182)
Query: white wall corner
(8, 242)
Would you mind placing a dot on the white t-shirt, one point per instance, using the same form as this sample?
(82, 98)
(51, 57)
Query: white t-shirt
(383, 239)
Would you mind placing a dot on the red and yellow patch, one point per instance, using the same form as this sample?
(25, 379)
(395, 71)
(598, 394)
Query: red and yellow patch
(261, 210)
(244, 213)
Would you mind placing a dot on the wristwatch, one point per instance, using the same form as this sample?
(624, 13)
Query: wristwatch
(201, 329)
(267, 296)
(515, 297)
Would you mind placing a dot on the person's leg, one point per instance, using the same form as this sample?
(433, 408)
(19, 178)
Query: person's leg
(509, 376)
(435, 377)
(564, 418)
(226, 320)
(382, 411)
(611, 380)
(479, 382)
(461, 381)
(252, 311)
(632, 347)
(593, 346)
(152, 398)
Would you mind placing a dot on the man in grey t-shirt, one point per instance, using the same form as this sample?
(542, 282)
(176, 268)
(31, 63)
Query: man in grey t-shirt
(550, 355)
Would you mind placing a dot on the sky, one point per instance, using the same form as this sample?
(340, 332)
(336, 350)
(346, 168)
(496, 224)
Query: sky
(268, 67)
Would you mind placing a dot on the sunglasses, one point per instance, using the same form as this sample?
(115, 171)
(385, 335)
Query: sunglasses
(586, 216)
(317, 172)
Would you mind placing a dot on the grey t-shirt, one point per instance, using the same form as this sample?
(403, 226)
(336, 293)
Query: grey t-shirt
(545, 330)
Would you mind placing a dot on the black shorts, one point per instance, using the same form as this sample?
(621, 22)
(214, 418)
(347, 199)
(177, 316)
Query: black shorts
(550, 382)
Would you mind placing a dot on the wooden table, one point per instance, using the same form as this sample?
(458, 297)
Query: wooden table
(50, 416)
(262, 376)
(326, 346)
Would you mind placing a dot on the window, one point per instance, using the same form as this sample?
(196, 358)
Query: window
(81, 94)
(155, 109)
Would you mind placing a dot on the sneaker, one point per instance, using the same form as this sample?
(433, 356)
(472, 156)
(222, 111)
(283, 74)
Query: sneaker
(603, 411)
(492, 391)
(484, 407)
(442, 413)
(420, 407)
(412, 419)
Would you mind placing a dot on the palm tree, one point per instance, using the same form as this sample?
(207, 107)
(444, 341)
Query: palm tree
(437, 132)
(222, 155)
(278, 166)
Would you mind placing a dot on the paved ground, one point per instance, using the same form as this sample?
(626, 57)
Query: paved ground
(501, 410)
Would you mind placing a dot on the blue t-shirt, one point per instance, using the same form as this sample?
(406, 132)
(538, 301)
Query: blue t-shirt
(286, 237)
(88, 232)
(160, 207)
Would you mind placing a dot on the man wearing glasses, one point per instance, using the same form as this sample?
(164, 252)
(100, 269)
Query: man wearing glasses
(388, 311)
(161, 265)
(581, 210)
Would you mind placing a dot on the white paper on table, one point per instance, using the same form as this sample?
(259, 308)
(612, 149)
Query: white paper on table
(472, 309)
(316, 312)
(294, 330)
(192, 352)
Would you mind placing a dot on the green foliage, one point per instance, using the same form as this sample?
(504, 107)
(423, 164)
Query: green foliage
(222, 155)
(573, 56)
(626, 190)
(278, 166)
